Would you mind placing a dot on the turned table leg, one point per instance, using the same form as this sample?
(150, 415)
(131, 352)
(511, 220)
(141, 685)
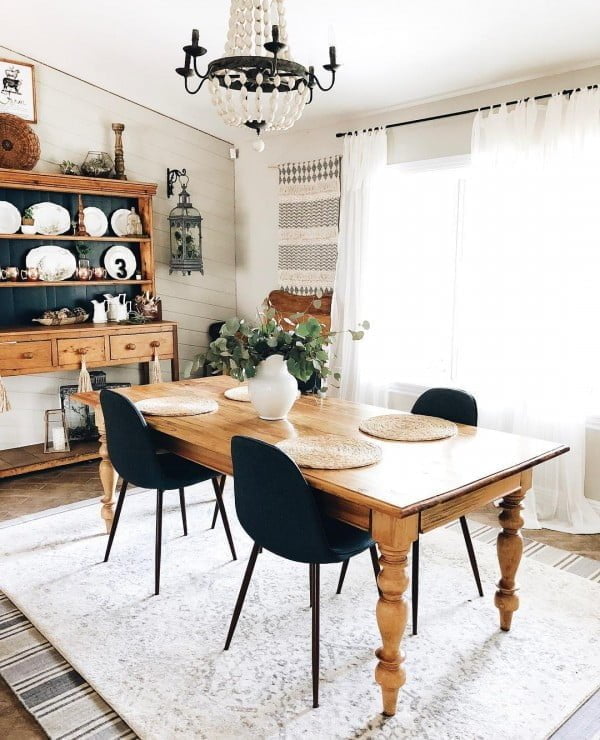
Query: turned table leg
(108, 475)
(394, 537)
(510, 549)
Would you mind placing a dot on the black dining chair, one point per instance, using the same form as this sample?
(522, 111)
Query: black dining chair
(279, 510)
(133, 454)
(461, 408)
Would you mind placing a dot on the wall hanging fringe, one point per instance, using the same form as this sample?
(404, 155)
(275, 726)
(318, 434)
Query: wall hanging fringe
(155, 371)
(85, 382)
(4, 402)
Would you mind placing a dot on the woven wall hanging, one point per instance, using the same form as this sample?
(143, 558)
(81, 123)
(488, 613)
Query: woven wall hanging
(309, 209)
(19, 146)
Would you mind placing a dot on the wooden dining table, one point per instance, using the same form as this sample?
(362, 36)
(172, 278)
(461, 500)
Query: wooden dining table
(416, 487)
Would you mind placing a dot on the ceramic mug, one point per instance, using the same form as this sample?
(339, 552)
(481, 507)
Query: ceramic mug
(10, 273)
(31, 273)
(84, 273)
(99, 273)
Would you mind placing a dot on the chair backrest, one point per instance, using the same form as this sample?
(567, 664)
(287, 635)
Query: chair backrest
(129, 439)
(447, 403)
(274, 504)
(287, 304)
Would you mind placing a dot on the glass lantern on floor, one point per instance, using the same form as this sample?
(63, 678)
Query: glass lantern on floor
(186, 234)
(56, 433)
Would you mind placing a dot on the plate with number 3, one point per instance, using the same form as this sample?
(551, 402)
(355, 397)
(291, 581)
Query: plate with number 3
(120, 262)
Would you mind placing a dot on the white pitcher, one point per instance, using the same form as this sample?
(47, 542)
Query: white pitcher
(117, 308)
(100, 312)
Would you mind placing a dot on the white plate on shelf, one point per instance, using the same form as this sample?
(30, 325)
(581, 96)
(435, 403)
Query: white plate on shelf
(96, 223)
(10, 218)
(54, 263)
(120, 262)
(118, 221)
(51, 219)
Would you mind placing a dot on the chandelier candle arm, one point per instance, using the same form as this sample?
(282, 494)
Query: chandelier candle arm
(256, 83)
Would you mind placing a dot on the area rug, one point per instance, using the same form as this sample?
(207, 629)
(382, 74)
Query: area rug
(58, 697)
(158, 661)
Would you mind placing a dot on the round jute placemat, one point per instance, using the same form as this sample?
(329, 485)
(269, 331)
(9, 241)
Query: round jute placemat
(237, 393)
(408, 427)
(176, 406)
(331, 452)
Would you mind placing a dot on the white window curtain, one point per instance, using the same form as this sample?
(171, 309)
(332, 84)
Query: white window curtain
(365, 157)
(528, 302)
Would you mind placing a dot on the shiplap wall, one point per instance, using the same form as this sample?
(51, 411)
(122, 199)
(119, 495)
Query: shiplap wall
(74, 117)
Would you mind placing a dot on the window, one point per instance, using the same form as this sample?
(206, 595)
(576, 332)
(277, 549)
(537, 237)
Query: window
(412, 283)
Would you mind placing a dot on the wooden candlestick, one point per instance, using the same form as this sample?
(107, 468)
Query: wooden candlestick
(80, 231)
(118, 128)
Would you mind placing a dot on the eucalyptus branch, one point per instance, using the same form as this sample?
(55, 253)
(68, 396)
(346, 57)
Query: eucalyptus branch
(241, 347)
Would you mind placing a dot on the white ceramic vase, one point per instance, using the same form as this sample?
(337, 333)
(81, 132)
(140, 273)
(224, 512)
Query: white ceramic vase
(272, 390)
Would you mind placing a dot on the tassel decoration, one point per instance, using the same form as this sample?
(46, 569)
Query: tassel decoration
(155, 371)
(85, 382)
(4, 402)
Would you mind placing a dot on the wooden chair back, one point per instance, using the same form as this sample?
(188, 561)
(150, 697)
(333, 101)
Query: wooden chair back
(287, 304)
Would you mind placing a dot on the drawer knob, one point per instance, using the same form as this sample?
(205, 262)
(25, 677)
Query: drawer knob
(130, 346)
(82, 351)
(155, 343)
(28, 355)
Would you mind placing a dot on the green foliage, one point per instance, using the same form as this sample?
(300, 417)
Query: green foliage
(302, 341)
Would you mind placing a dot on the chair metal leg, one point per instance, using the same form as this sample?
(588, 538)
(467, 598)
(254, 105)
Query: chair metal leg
(222, 481)
(316, 598)
(219, 494)
(415, 585)
(158, 543)
(375, 563)
(183, 512)
(215, 515)
(242, 595)
(342, 576)
(113, 529)
(472, 558)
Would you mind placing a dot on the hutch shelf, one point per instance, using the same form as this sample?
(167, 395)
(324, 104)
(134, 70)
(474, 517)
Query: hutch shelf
(27, 348)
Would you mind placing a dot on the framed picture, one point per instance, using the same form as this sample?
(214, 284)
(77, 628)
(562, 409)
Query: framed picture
(17, 91)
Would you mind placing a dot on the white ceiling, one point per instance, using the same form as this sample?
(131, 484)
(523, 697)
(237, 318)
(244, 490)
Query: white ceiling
(393, 51)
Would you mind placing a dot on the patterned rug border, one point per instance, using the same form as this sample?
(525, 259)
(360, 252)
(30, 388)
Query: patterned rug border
(51, 690)
(47, 685)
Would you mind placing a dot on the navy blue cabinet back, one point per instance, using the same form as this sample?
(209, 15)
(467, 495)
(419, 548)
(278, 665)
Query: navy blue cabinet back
(18, 306)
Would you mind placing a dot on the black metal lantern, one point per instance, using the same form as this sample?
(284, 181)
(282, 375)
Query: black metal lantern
(185, 224)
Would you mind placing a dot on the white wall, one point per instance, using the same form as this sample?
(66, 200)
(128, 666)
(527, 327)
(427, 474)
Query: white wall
(75, 117)
(257, 188)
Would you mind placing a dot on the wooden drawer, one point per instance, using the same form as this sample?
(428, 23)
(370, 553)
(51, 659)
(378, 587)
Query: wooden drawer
(25, 355)
(70, 351)
(141, 345)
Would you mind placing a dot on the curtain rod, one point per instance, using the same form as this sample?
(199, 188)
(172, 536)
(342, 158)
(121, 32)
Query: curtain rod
(463, 112)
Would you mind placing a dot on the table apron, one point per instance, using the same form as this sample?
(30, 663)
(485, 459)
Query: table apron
(448, 511)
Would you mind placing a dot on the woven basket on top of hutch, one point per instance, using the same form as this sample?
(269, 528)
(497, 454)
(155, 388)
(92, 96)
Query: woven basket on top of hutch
(26, 348)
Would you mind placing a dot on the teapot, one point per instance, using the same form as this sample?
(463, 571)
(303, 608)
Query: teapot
(100, 312)
(117, 306)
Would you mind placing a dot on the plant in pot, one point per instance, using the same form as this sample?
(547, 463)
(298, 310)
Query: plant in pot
(28, 222)
(273, 358)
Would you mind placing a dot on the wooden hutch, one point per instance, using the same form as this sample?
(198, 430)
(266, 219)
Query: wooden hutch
(26, 348)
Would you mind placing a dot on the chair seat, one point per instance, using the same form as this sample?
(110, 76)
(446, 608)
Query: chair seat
(345, 540)
(177, 472)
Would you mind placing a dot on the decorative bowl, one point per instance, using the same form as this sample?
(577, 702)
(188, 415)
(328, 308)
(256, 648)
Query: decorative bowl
(63, 321)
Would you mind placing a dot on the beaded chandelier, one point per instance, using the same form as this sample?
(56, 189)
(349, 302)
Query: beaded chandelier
(256, 83)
